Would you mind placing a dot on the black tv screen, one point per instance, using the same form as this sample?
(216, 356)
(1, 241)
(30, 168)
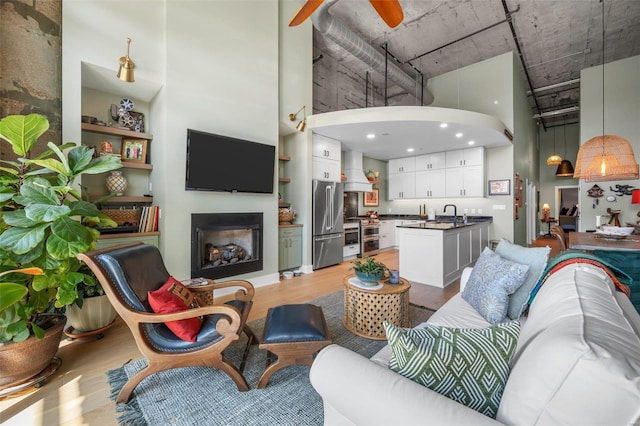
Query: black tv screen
(223, 163)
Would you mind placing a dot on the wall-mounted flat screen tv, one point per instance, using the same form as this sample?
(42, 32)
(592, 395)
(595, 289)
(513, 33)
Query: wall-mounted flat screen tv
(223, 163)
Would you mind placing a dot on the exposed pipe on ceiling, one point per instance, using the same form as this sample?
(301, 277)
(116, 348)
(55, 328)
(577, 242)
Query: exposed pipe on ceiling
(355, 45)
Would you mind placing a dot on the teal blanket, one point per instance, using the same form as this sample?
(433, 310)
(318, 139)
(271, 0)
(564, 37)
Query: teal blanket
(614, 267)
(628, 262)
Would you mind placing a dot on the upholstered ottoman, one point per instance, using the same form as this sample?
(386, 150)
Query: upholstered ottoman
(293, 333)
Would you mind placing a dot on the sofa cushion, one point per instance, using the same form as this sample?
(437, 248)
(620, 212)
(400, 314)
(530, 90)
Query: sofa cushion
(578, 356)
(536, 258)
(469, 366)
(492, 280)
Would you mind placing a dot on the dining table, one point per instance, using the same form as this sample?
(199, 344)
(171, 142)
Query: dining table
(592, 241)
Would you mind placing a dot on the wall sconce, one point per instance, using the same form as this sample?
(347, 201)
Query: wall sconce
(125, 73)
(302, 124)
(606, 157)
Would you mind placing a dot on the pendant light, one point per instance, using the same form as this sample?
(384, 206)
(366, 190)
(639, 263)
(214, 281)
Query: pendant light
(565, 169)
(125, 72)
(554, 159)
(606, 157)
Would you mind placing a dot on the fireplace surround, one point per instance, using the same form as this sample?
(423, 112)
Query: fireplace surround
(225, 244)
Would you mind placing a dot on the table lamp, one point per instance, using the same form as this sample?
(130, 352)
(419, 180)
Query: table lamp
(545, 212)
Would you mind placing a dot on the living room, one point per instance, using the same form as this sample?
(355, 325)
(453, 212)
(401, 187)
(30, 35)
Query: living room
(237, 69)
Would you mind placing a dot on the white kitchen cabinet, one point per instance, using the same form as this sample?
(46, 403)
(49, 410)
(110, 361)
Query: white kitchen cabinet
(324, 169)
(434, 161)
(464, 181)
(402, 186)
(327, 148)
(387, 234)
(431, 184)
(326, 159)
(465, 157)
(402, 165)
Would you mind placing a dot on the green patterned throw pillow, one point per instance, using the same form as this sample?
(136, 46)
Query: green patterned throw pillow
(470, 366)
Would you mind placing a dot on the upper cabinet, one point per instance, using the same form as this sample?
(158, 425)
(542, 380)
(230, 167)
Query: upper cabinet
(435, 161)
(402, 165)
(465, 157)
(326, 159)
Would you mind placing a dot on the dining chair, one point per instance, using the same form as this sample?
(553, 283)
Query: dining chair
(560, 235)
(127, 274)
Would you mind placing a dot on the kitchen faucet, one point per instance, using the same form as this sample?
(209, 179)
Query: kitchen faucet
(455, 213)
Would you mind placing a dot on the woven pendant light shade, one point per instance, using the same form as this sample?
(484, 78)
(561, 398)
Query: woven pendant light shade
(605, 158)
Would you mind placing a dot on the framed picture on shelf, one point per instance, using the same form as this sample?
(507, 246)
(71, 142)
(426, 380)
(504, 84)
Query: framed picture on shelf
(134, 150)
(371, 199)
(500, 187)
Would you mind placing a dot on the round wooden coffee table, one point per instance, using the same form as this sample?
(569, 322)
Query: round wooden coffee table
(365, 309)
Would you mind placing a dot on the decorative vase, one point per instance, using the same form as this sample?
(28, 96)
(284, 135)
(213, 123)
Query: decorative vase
(116, 183)
(369, 279)
(20, 361)
(96, 313)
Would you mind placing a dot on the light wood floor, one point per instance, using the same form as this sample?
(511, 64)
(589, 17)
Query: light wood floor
(78, 394)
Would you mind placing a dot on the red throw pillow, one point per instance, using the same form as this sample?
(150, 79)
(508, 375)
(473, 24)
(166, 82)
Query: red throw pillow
(175, 297)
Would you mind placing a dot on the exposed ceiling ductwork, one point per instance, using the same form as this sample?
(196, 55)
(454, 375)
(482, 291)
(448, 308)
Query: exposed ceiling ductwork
(356, 180)
(334, 30)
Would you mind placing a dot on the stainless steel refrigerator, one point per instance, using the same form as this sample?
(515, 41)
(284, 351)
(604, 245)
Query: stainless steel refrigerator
(327, 223)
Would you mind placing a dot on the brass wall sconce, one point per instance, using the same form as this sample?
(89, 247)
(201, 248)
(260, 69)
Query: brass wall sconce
(302, 124)
(125, 73)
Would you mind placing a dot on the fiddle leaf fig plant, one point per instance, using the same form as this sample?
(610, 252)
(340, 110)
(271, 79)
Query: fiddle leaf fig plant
(44, 223)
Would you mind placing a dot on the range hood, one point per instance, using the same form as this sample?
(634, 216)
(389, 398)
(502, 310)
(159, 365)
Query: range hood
(356, 180)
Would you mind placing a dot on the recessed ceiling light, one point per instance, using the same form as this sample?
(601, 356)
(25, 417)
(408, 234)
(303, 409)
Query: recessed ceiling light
(370, 136)
(444, 125)
(409, 149)
(495, 102)
(459, 135)
(471, 142)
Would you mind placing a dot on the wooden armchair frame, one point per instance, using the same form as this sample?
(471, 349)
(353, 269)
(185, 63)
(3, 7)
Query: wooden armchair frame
(561, 236)
(229, 327)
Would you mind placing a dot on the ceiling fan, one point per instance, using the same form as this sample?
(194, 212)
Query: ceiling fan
(389, 10)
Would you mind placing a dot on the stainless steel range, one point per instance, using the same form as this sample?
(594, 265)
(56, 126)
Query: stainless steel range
(369, 237)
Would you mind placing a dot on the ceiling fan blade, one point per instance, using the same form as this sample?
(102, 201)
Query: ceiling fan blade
(304, 12)
(389, 10)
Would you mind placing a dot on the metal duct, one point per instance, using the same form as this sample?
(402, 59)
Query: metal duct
(352, 43)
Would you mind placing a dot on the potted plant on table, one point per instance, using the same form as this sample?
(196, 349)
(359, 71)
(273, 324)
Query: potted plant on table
(369, 271)
(44, 224)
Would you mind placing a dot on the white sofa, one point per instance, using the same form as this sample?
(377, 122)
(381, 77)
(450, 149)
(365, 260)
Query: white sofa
(577, 361)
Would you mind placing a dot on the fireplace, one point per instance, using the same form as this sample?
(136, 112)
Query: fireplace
(225, 244)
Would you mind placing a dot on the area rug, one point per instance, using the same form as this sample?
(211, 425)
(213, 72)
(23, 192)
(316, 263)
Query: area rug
(199, 395)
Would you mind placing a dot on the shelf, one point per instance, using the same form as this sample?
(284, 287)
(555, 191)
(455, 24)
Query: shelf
(127, 234)
(106, 130)
(284, 157)
(123, 199)
(284, 205)
(132, 165)
(284, 180)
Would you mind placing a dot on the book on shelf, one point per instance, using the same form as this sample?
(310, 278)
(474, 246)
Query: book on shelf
(149, 219)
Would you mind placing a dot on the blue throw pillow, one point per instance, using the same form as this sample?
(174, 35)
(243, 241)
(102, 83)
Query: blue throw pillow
(491, 282)
(536, 258)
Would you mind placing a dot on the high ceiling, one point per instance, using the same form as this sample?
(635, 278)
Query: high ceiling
(556, 38)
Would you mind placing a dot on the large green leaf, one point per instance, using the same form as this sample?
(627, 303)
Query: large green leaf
(103, 164)
(68, 238)
(83, 208)
(79, 158)
(53, 165)
(46, 212)
(11, 293)
(22, 132)
(21, 240)
(39, 191)
(18, 218)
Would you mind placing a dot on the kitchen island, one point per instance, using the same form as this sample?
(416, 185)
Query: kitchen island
(435, 253)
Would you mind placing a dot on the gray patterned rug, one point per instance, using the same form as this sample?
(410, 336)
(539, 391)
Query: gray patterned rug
(199, 395)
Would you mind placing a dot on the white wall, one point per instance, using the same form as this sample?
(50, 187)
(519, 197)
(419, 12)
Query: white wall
(621, 117)
(217, 64)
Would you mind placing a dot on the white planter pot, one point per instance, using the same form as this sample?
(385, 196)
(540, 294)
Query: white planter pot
(95, 314)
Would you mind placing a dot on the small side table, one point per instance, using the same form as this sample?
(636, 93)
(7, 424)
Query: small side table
(365, 309)
(549, 222)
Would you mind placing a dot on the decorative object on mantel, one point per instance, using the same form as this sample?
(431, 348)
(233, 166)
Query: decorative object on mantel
(302, 124)
(606, 157)
(116, 183)
(125, 72)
